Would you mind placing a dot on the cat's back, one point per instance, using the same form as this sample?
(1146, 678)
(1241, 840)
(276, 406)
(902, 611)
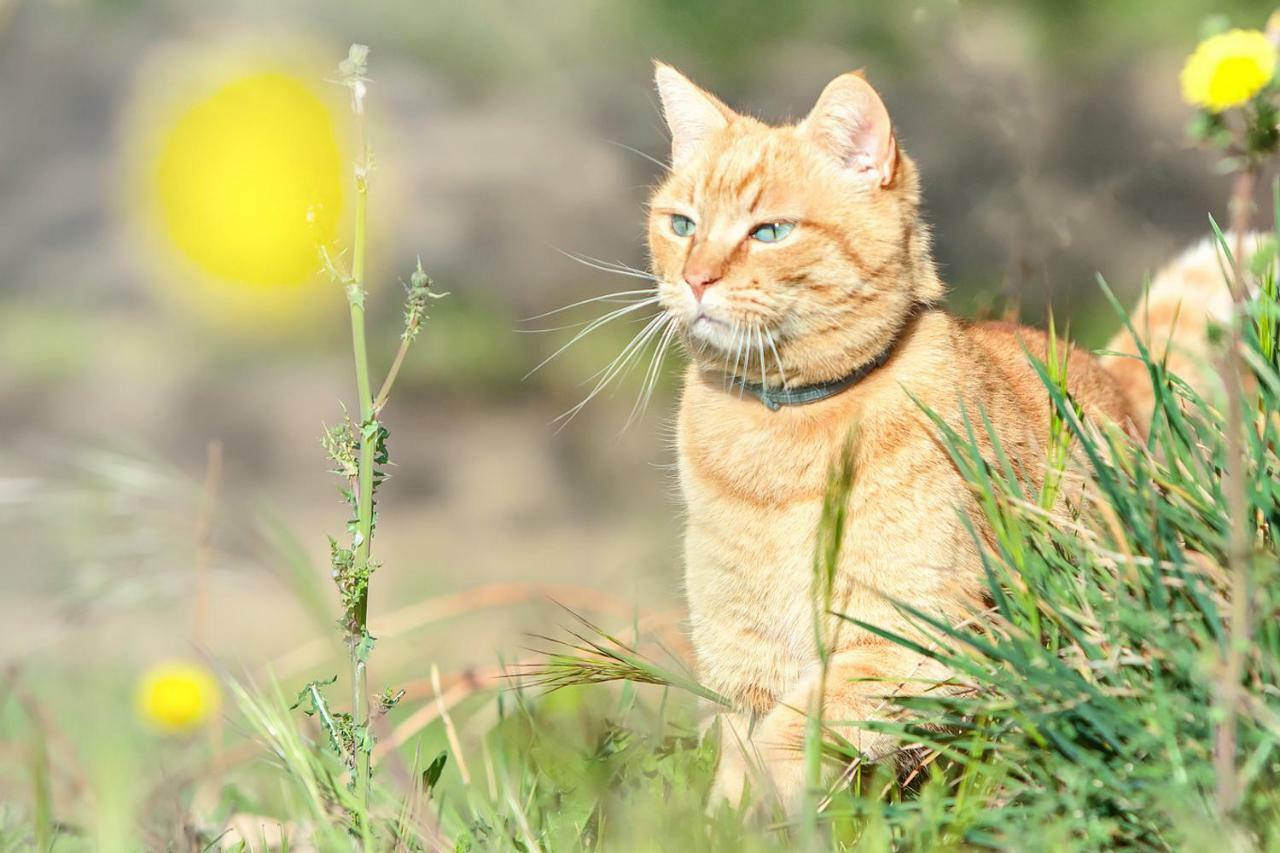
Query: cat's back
(1005, 348)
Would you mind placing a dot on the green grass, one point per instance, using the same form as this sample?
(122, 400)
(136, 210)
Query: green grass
(1117, 693)
(1090, 724)
(1091, 721)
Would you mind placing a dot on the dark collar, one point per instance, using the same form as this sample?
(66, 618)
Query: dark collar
(776, 398)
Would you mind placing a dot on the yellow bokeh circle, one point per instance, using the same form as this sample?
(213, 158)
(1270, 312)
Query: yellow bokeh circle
(236, 176)
(249, 181)
(177, 696)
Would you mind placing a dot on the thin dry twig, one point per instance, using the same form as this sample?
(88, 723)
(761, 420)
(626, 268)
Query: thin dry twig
(1224, 749)
(441, 607)
(451, 733)
(471, 682)
(204, 543)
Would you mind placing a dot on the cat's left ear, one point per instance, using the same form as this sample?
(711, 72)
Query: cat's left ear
(693, 114)
(852, 123)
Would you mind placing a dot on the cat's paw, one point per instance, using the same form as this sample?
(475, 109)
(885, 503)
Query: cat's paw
(736, 772)
(779, 744)
(731, 781)
(758, 770)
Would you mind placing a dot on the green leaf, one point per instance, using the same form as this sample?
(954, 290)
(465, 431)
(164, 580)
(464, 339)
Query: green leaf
(431, 775)
(364, 648)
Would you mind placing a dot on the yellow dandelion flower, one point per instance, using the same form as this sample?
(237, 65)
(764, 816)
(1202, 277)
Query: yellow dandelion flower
(237, 174)
(1228, 69)
(177, 696)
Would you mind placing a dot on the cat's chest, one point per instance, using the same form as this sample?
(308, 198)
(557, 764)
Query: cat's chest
(737, 456)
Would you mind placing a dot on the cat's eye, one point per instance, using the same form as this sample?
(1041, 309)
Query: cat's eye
(682, 225)
(772, 232)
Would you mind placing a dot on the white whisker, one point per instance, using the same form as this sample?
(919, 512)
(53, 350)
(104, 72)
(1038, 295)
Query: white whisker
(764, 372)
(737, 352)
(619, 266)
(607, 266)
(626, 350)
(617, 365)
(591, 327)
(782, 373)
(593, 377)
(578, 325)
(606, 297)
(654, 160)
(651, 377)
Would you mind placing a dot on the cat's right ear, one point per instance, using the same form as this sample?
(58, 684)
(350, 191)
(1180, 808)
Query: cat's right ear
(693, 115)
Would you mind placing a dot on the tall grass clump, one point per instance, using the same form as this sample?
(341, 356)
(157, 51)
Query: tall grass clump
(1098, 678)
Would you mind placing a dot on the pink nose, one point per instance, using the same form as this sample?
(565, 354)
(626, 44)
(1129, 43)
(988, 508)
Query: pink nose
(699, 280)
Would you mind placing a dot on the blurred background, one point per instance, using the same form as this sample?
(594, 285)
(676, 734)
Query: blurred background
(137, 326)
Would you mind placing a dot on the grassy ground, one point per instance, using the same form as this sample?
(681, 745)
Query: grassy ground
(1118, 696)
(1121, 689)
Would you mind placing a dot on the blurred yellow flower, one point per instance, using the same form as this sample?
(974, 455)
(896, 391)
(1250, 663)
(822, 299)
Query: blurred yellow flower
(1228, 69)
(234, 166)
(177, 696)
(250, 181)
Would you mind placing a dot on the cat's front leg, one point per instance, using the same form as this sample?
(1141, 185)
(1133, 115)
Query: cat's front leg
(862, 683)
(738, 770)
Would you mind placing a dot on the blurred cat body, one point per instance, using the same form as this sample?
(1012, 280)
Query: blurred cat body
(796, 256)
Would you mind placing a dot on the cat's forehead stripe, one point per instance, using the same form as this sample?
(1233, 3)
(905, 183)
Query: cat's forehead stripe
(738, 176)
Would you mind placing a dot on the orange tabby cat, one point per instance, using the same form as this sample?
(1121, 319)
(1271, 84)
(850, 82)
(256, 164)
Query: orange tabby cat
(797, 271)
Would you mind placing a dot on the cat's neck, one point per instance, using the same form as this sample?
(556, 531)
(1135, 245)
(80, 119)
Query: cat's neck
(839, 352)
(905, 290)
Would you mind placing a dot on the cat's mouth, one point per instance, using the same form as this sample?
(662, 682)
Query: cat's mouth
(721, 335)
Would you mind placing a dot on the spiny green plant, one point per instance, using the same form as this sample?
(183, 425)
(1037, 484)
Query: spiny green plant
(359, 454)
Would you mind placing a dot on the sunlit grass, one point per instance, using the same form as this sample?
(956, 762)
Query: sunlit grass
(1095, 680)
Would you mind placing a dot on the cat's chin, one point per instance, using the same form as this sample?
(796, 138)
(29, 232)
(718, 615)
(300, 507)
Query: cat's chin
(705, 331)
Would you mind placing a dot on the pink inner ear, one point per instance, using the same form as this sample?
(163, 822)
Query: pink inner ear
(851, 122)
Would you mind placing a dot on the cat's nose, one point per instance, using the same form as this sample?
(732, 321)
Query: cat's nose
(699, 279)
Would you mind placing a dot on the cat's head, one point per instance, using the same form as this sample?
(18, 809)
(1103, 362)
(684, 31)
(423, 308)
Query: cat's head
(791, 251)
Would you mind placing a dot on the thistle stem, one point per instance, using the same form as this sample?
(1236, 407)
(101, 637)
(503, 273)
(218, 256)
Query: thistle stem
(368, 443)
(385, 391)
(357, 617)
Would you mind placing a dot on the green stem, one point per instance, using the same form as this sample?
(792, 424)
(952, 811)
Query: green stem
(385, 391)
(357, 618)
(364, 494)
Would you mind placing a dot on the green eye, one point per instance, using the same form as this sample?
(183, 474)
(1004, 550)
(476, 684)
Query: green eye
(682, 225)
(772, 232)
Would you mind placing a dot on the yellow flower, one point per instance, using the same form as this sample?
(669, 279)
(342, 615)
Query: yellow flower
(250, 181)
(1228, 69)
(235, 176)
(177, 696)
